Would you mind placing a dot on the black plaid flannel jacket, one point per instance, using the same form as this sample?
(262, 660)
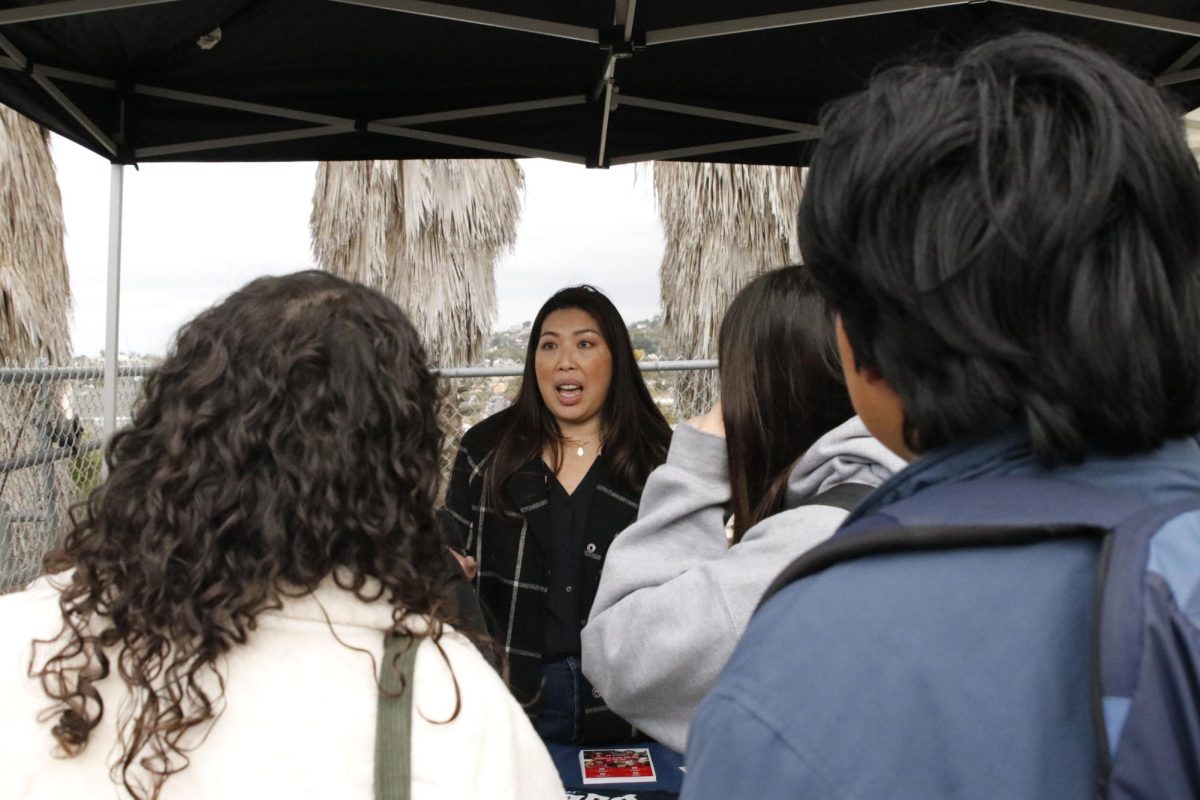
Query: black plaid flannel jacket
(512, 551)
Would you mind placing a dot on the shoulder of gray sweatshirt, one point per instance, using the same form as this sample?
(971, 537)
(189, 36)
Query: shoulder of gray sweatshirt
(674, 597)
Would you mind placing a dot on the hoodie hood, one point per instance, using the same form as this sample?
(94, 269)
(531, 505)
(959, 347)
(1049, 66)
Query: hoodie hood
(847, 454)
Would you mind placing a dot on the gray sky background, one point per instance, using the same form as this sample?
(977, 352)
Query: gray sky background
(193, 233)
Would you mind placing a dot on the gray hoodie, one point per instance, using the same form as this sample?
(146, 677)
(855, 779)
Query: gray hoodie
(674, 597)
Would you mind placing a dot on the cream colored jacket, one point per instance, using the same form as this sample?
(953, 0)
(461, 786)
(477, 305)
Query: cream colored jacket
(299, 720)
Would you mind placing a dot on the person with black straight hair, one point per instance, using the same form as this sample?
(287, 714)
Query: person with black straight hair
(676, 596)
(537, 494)
(1051, 286)
(1011, 242)
(781, 391)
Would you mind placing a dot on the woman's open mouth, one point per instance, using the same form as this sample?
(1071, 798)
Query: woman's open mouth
(569, 393)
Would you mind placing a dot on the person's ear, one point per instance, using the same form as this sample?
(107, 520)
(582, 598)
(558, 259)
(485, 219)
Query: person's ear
(845, 351)
(871, 376)
(850, 359)
(873, 398)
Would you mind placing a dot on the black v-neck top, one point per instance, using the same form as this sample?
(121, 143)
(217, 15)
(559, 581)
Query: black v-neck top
(568, 532)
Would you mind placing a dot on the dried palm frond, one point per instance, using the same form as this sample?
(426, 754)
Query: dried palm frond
(426, 233)
(35, 294)
(35, 304)
(723, 225)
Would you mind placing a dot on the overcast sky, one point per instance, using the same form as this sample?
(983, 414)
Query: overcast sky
(195, 232)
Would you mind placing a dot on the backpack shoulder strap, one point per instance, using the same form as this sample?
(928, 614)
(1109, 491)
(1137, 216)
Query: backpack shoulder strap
(1005, 500)
(393, 719)
(930, 537)
(1004, 511)
(844, 496)
(1135, 654)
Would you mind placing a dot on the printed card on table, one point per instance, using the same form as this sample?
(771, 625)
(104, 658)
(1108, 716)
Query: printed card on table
(631, 765)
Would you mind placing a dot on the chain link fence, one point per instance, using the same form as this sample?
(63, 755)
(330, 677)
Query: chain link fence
(52, 436)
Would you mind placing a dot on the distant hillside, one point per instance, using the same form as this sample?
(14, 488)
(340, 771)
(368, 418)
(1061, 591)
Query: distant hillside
(508, 346)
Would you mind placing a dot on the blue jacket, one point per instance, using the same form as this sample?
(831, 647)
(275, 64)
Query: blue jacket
(946, 674)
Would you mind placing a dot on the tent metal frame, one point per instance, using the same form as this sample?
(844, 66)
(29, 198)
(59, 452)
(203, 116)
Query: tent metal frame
(112, 324)
(607, 92)
(621, 42)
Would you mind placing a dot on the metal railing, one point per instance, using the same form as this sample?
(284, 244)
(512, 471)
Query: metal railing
(52, 435)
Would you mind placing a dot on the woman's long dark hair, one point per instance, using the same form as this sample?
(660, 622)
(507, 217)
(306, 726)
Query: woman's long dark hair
(290, 435)
(635, 435)
(781, 388)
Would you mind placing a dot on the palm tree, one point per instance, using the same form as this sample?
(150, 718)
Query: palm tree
(723, 225)
(428, 234)
(35, 300)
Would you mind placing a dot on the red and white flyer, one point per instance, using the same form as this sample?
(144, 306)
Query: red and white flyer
(631, 765)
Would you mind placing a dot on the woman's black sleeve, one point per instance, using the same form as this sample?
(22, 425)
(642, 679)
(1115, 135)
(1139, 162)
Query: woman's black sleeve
(455, 515)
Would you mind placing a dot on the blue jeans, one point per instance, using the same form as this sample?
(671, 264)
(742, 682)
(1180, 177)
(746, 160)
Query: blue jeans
(557, 715)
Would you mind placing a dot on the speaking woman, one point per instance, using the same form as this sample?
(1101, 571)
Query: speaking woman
(538, 492)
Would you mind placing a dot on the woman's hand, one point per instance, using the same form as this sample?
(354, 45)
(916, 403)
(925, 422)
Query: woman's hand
(466, 562)
(711, 422)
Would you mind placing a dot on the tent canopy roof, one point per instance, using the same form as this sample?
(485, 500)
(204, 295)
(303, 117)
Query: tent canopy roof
(596, 83)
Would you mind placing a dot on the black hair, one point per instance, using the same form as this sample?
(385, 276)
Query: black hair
(781, 387)
(634, 434)
(1013, 239)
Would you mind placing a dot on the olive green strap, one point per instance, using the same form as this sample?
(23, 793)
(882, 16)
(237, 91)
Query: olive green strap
(393, 721)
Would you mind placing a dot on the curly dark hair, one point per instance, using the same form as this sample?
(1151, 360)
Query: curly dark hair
(290, 435)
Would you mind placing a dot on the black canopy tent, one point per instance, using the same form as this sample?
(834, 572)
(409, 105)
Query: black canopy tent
(597, 83)
(594, 82)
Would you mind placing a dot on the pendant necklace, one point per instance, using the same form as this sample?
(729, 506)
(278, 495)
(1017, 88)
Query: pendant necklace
(579, 451)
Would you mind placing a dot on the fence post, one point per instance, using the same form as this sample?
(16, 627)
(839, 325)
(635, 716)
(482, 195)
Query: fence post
(50, 415)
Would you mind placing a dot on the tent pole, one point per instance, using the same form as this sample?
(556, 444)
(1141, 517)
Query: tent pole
(116, 196)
